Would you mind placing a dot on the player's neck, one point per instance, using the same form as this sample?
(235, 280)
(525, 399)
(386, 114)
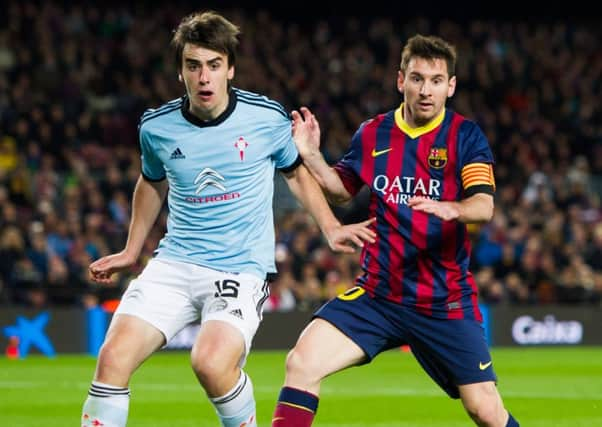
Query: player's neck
(409, 121)
(416, 131)
(210, 114)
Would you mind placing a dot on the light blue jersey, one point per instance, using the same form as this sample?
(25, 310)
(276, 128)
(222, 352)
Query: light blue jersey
(221, 180)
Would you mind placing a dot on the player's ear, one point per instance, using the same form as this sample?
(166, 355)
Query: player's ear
(180, 79)
(400, 81)
(452, 87)
(231, 73)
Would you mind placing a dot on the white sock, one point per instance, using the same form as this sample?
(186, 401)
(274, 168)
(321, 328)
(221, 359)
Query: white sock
(106, 405)
(237, 407)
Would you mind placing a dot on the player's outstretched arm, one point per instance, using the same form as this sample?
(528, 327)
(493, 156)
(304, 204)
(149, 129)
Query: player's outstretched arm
(306, 134)
(341, 238)
(147, 201)
(474, 209)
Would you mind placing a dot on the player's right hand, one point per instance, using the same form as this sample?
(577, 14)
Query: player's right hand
(342, 238)
(306, 133)
(101, 270)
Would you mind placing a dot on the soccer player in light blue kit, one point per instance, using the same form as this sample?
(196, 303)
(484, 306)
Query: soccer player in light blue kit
(216, 150)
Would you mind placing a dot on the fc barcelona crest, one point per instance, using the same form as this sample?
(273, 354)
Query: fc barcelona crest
(438, 158)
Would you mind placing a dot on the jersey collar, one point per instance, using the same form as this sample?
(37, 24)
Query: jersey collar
(419, 131)
(218, 120)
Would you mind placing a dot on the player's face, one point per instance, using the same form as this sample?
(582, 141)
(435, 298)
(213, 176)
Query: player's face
(426, 86)
(205, 74)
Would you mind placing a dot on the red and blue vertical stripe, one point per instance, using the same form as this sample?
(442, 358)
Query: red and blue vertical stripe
(418, 260)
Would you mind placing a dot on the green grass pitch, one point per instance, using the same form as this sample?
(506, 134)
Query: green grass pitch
(543, 387)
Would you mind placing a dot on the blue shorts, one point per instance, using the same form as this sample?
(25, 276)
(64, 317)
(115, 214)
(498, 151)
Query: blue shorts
(452, 351)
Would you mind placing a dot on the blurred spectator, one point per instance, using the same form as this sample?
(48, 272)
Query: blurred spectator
(281, 295)
(69, 155)
(309, 289)
(12, 251)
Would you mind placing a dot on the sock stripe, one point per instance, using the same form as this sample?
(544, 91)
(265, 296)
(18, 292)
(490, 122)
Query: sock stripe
(100, 394)
(234, 393)
(298, 399)
(91, 393)
(107, 391)
(107, 387)
(292, 405)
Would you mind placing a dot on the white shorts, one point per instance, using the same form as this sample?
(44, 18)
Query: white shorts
(171, 295)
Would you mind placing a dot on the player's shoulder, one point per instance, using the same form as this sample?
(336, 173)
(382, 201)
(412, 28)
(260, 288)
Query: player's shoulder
(468, 132)
(373, 122)
(261, 104)
(468, 128)
(464, 123)
(153, 116)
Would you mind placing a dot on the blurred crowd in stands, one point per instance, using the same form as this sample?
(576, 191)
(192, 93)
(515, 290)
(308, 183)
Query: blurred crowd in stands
(74, 81)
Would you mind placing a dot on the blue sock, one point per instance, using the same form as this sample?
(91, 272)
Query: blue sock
(299, 398)
(511, 421)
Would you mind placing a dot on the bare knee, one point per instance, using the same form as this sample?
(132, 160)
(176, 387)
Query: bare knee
(486, 414)
(114, 365)
(485, 407)
(206, 365)
(301, 368)
(215, 374)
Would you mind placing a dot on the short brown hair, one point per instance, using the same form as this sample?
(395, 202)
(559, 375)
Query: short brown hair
(209, 30)
(429, 47)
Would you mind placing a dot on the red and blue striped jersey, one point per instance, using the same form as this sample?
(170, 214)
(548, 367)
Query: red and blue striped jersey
(419, 260)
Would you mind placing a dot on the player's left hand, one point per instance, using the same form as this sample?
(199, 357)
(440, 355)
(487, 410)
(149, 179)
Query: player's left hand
(342, 237)
(306, 132)
(444, 210)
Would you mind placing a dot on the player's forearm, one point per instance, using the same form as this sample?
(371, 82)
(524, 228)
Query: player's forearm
(327, 178)
(308, 192)
(476, 209)
(146, 205)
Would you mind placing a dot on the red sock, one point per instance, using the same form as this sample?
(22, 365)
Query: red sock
(296, 408)
(289, 416)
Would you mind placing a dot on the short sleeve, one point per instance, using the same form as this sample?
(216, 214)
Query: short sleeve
(474, 147)
(286, 155)
(476, 161)
(152, 167)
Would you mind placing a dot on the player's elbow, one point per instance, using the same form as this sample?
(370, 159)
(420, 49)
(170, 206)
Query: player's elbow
(336, 193)
(338, 199)
(486, 210)
(478, 210)
(488, 216)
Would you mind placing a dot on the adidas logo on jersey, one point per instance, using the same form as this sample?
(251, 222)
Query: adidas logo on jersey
(177, 154)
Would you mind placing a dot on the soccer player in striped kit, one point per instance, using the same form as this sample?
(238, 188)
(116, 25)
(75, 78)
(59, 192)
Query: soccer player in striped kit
(216, 150)
(430, 173)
